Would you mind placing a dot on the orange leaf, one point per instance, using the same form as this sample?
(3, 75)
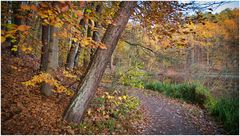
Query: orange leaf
(65, 8)
(42, 4)
(82, 4)
(33, 7)
(23, 28)
(102, 46)
(79, 13)
(25, 7)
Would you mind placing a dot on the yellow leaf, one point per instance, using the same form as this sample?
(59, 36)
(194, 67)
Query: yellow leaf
(89, 112)
(14, 49)
(75, 39)
(120, 98)
(85, 41)
(3, 39)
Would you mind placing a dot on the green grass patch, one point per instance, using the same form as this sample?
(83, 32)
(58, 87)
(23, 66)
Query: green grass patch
(226, 110)
(191, 93)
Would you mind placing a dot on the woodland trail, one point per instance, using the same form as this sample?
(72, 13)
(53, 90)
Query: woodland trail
(169, 116)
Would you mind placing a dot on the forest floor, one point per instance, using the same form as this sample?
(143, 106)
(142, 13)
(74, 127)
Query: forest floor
(25, 111)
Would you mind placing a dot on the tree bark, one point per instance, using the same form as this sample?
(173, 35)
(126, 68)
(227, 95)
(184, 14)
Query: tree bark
(53, 50)
(88, 85)
(17, 21)
(95, 37)
(45, 48)
(76, 59)
(96, 34)
(49, 58)
(72, 55)
(87, 57)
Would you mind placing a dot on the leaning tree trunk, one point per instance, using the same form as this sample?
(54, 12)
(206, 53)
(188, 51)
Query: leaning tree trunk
(49, 58)
(88, 85)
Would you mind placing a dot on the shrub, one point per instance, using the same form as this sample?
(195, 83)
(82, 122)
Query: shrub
(226, 110)
(111, 113)
(134, 76)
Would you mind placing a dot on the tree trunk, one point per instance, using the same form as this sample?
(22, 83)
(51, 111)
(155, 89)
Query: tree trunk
(17, 21)
(87, 56)
(96, 34)
(49, 58)
(72, 55)
(53, 49)
(45, 48)
(95, 37)
(76, 59)
(88, 85)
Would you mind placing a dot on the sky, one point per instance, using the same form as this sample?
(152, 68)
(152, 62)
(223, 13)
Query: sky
(232, 5)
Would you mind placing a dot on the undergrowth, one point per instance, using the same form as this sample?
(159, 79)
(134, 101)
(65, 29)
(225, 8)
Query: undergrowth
(111, 113)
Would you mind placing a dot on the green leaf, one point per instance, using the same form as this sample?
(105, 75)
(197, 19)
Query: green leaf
(10, 26)
(88, 10)
(14, 49)
(13, 40)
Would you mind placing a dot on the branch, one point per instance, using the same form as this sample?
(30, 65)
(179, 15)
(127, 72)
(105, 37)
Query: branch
(152, 51)
(137, 44)
(204, 6)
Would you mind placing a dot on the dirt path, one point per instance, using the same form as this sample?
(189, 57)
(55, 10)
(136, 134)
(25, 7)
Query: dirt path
(169, 116)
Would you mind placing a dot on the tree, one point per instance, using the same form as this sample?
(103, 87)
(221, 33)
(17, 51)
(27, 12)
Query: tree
(49, 58)
(75, 50)
(88, 85)
(17, 21)
(96, 34)
(72, 54)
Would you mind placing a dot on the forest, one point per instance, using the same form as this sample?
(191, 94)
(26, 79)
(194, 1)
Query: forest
(119, 68)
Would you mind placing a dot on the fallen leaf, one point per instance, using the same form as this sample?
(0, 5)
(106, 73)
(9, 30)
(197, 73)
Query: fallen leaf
(23, 27)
